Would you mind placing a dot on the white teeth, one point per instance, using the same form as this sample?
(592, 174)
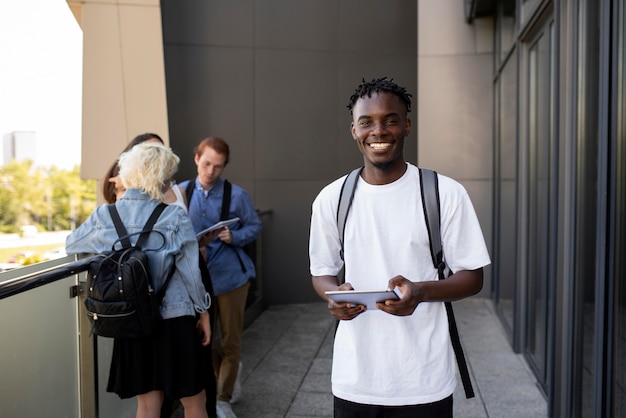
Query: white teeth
(378, 145)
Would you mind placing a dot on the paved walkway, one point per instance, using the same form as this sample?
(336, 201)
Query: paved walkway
(287, 355)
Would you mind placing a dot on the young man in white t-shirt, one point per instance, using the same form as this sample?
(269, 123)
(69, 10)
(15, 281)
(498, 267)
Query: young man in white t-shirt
(396, 360)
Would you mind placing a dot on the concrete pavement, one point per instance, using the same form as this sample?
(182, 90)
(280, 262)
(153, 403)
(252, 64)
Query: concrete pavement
(287, 356)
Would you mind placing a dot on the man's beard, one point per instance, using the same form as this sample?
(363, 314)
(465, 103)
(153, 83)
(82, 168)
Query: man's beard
(389, 163)
(383, 166)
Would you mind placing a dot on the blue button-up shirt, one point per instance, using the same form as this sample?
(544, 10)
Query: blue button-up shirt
(229, 266)
(185, 294)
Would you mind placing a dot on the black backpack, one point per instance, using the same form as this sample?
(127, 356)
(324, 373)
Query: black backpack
(121, 302)
(429, 186)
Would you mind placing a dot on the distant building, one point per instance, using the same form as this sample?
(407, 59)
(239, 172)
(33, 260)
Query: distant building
(19, 145)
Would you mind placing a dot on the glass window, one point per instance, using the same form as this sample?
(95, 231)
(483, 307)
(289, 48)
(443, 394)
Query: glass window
(585, 302)
(619, 255)
(506, 193)
(541, 201)
(505, 29)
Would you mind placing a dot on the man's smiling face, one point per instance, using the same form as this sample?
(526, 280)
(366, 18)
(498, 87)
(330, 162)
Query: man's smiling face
(379, 126)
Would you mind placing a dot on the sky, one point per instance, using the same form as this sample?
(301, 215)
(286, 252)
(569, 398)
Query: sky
(41, 78)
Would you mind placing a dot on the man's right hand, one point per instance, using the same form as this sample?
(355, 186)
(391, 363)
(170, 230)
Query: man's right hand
(345, 311)
(207, 238)
(342, 311)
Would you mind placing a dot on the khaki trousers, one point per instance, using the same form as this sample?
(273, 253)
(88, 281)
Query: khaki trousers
(227, 350)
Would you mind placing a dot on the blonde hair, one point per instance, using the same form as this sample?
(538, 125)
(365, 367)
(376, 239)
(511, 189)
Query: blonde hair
(149, 167)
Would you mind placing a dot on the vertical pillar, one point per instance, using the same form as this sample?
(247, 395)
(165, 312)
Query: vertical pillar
(123, 78)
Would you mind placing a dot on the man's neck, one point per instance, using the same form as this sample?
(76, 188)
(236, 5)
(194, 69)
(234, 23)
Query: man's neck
(383, 174)
(209, 186)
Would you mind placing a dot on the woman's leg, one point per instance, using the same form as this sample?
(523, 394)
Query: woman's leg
(149, 404)
(195, 406)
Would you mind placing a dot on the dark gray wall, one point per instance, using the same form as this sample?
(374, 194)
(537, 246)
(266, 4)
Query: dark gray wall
(273, 78)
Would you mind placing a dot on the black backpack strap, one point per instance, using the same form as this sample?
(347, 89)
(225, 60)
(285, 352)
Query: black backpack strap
(429, 186)
(191, 186)
(142, 238)
(226, 210)
(145, 232)
(345, 202)
(123, 233)
(226, 200)
(161, 293)
(150, 224)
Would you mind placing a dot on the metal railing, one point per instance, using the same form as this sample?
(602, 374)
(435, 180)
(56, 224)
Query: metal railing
(42, 350)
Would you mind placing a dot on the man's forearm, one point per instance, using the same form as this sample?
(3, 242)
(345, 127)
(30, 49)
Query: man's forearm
(323, 283)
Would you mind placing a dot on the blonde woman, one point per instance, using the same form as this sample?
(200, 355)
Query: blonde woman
(113, 189)
(171, 361)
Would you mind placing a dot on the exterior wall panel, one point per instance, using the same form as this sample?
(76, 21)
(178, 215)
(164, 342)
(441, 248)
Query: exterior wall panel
(273, 78)
(123, 79)
(455, 115)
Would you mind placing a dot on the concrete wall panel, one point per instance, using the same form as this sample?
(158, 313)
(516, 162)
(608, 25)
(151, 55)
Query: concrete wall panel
(302, 25)
(286, 238)
(123, 80)
(442, 29)
(295, 116)
(378, 28)
(104, 120)
(210, 93)
(144, 90)
(202, 22)
(279, 99)
(456, 114)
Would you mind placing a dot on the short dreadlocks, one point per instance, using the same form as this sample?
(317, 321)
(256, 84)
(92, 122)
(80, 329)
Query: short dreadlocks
(380, 85)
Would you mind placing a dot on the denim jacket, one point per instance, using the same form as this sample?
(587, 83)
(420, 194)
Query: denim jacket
(185, 294)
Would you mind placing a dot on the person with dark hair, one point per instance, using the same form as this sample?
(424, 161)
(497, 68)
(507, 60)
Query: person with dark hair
(396, 360)
(171, 362)
(229, 266)
(112, 188)
(380, 85)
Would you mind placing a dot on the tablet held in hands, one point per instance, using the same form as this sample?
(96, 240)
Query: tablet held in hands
(364, 297)
(219, 225)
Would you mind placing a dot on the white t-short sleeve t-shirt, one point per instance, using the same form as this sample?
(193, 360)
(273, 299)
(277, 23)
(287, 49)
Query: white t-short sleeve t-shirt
(379, 358)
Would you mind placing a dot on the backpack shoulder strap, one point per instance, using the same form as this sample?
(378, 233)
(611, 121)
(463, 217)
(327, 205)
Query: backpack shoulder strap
(144, 235)
(429, 186)
(150, 224)
(191, 186)
(124, 237)
(226, 200)
(345, 201)
(123, 233)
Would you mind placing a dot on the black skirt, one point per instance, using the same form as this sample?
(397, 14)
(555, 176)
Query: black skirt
(172, 361)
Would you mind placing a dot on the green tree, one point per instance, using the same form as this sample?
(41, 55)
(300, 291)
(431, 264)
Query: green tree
(72, 199)
(24, 184)
(9, 211)
(51, 198)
